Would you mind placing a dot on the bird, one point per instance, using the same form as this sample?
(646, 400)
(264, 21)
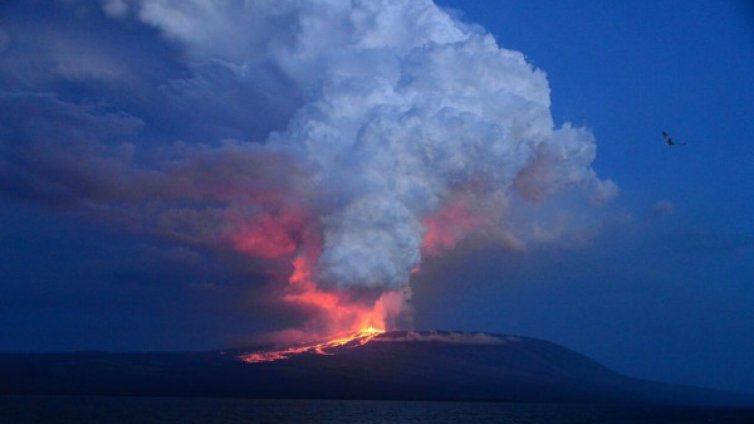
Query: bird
(669, 141)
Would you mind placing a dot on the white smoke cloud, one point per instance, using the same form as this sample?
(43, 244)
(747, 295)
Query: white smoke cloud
(401, 110)
(399, 127)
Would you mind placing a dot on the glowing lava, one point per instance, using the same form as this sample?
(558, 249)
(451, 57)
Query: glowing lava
(336, 318)
(359, 338)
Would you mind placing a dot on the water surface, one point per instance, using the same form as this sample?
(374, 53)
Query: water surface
(93, 409)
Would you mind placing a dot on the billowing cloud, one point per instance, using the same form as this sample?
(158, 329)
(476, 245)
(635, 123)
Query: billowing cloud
(379, 132)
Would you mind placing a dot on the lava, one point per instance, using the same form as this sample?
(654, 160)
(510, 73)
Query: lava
(285, 234)
(336, 319)
(359, 338)
(336, 313)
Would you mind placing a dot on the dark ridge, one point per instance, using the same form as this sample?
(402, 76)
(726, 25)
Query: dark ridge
(399, 365)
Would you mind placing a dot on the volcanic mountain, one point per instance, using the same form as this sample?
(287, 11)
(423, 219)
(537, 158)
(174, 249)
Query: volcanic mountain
(396, 365)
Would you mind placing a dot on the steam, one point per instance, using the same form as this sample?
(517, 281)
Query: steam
(407, 111)
(447, 337)
(405, 131)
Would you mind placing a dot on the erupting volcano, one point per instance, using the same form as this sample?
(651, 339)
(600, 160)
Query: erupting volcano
(380, 167)
(370, 136)
(338, 317)
(370, 364)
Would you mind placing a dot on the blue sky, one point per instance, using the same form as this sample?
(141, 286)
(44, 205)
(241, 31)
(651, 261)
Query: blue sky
(680, 285)
(655, 290)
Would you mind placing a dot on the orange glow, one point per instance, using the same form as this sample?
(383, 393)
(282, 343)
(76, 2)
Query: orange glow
(359, 338)
(284, 233)
(352, 323)
(340, 314)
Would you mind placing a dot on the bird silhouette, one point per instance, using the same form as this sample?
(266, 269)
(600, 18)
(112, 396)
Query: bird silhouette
(669, 141)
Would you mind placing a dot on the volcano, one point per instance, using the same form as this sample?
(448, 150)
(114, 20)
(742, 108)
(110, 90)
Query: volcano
(395, 365)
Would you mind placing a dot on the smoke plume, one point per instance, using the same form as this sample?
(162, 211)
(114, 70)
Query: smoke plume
(391, 131)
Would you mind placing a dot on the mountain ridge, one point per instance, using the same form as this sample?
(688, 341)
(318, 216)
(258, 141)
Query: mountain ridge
(396, 365)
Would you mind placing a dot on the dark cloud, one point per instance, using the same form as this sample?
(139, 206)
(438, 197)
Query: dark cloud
(156, 264)
(330, 147)
(51, 151)
(65, 154)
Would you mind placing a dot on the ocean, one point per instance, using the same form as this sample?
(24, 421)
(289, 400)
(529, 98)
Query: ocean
(95, 409)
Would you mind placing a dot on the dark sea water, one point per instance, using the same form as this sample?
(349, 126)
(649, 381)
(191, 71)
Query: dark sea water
(90, 409)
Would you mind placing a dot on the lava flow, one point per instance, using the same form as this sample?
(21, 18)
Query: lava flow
(359, 338)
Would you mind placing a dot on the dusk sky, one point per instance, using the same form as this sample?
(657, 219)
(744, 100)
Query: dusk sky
(195, 175)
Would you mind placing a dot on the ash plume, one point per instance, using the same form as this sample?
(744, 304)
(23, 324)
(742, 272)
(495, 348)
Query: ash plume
(391, 131)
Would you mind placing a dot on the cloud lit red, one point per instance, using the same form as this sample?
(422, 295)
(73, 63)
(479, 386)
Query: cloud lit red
(387, 132)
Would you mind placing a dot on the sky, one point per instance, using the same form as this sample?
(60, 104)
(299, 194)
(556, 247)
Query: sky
(181, 177)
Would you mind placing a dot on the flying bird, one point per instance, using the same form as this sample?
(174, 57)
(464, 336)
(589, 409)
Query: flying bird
(669, 141)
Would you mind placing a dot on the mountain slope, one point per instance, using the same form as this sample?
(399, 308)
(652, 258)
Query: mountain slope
(394, 365)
